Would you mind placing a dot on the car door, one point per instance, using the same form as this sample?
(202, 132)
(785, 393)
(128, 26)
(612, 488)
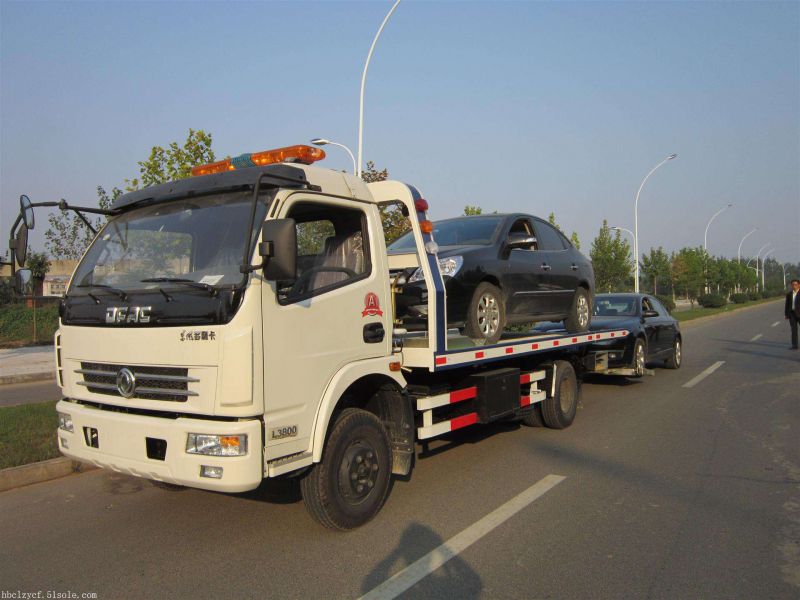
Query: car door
(654, 328)
(558, 279)
(523, 276)
(668, 326)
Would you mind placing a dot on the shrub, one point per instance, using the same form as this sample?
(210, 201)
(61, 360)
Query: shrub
(667, 301)
(712, 301)
(754, 296)
(740, 298)
(16, 324)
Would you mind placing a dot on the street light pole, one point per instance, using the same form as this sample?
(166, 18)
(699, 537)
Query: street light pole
(716, 214)
(363, 83)
(758, 254)
(636, 222)
(739, 252)
(764, 269)
(323, 142)
(626, 230)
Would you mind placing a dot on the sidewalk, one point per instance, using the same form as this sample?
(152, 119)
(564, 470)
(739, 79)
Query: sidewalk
(35, 363)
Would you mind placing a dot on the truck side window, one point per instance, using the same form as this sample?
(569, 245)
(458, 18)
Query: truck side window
(332, 250)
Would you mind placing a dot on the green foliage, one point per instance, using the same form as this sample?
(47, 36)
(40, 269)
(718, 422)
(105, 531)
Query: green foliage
(740, 298)
(68, 236)
(39, 265)
(687, 270)
(16, 324)
(394, 222)
(611, 257)
(711, 301)
(174, 162)
(572, 238)
(27, 434)
(6, 290)
(655, 267)
(667, 301)
(472, 210)
(754, 296)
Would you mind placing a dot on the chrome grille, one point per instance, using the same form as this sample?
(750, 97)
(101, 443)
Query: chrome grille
(152, 383)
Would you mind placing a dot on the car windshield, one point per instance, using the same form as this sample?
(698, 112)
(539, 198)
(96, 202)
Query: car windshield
(464, 231)
(195, 241)
(615, 306)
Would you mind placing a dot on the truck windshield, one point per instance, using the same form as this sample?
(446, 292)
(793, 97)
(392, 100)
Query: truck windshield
(463, 231)
(189, 240)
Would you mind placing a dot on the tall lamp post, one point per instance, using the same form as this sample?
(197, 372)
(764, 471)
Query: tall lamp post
(363, 82)
(625, 230)
(758, 254)
(716, 214)
(324, 142)
(636, 222)
(764, 269)
(739, 255)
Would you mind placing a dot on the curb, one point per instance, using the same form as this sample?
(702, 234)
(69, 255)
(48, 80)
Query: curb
(46, 470)
(684, 324)
(28, 377)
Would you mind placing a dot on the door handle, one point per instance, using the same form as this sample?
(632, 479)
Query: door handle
(374, 333)
(574, 267)
(546, 267)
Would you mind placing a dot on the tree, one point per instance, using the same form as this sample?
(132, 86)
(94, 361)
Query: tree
(611, 257)
(39, 265)
(472, 210)
(395, 223)
(688, 273)
(573, 237)
(655, 267)
(68, 237)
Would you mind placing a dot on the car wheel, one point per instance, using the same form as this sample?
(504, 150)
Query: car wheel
(639, 357)
(487, 314)
(351, 483)
(580, 315)
(674, 361)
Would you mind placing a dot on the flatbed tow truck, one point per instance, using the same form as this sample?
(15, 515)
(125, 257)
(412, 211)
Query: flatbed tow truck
(238, 325)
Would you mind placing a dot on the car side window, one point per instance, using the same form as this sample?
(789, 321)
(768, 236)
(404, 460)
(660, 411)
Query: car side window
(660, 308)
(524, 226)
(646, 305)
(332, 250)
(548, 237)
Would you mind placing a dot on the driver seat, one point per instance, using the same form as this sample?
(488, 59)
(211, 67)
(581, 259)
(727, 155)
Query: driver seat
(340, 251)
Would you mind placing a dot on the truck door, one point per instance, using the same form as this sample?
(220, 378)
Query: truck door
(334, 313)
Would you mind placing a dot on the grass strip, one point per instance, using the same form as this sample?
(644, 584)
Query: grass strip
(28, 434)
(696, 313)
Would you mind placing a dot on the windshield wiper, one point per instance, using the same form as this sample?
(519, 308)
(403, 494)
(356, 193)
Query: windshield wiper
(116, 291)
(190, 282)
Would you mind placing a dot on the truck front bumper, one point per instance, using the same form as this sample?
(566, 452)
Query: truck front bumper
(119, 441)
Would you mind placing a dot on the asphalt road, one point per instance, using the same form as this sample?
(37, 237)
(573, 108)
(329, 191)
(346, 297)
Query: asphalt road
(668, 492)
(29, 393)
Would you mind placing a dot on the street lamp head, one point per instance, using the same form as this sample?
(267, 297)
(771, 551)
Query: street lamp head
(671, 156)
(320, 141)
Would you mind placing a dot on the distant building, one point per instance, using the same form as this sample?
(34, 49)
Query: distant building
(55, 285)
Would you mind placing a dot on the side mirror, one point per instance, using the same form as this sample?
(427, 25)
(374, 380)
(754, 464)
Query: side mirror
(649, 313)
(26, 210)
(279, 249)
(520, 241)
(21, 245)
(22, 281)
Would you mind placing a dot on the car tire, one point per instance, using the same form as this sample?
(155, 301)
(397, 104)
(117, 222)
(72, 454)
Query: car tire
(674, 360)
(349, 486)
(639, 357)
(580, 315)
(534, 418)
(486, 316)
(559, 410)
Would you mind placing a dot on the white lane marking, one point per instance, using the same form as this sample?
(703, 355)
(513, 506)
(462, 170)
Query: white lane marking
(695, 380)
(416, 571)
(756, 337)
(775, 324)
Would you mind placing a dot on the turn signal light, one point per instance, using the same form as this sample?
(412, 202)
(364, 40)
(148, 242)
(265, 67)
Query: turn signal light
(299, 153)
(426, 226)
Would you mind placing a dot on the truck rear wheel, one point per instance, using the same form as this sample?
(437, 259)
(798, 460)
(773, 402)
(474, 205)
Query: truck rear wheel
(350, 485)
(559, 410)
(534, 417)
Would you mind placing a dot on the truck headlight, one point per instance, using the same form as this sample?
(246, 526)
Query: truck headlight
(448, 266)
(65, 422)
(216, 445)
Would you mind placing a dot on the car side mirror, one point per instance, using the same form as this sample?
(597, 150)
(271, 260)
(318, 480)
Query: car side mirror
(279, 249)
(520, 241)
(649, 313)
(22, 281)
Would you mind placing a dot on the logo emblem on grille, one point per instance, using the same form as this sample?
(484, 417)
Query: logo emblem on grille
(126, 382)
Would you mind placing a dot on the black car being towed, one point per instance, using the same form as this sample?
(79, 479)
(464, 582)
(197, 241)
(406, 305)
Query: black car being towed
(501, 270)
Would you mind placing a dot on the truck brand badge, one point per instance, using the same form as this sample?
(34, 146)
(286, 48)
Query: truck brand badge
(126, 382)
(131, 314)
(197, 336)
(371, 306)
(283, 432)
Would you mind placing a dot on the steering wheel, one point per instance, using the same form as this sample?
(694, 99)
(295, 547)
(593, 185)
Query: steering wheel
(300, 285)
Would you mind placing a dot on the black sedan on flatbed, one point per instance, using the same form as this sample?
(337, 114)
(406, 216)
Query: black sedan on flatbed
(655, 335)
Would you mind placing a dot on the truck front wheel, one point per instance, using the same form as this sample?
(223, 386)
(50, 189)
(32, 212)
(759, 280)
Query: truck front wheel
(351, 483)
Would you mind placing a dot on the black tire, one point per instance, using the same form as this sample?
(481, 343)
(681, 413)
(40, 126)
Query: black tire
(580, 314)
(639, 359)
(350, 485)
(559, 410)
(534, 418)
(486, 315)
(674, 360)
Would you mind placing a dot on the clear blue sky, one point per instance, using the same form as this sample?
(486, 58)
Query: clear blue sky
(537, 107)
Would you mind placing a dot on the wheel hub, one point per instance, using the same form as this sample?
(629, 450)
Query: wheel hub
(583, 311)
(488, 315)
(359, 471)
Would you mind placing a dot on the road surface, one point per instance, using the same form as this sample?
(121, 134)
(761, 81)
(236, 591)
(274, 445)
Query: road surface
(657, 491)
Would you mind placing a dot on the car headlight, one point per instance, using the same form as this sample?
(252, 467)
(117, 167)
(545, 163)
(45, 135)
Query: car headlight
(448, 266)
(216, 445)
(65, 422)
